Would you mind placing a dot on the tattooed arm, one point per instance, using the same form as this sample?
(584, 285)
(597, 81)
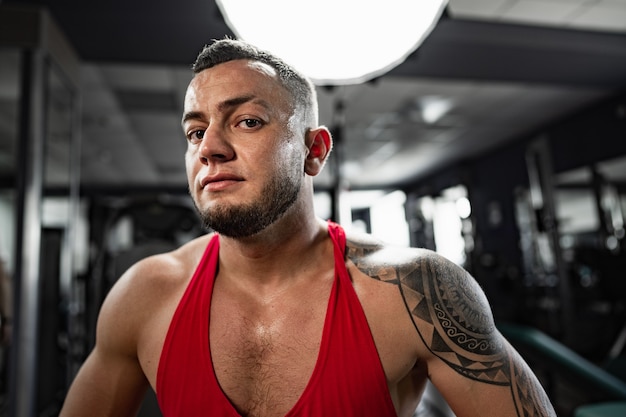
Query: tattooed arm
(469, 361)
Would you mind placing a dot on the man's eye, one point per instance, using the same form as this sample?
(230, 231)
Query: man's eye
(196, 135)
(250, 123)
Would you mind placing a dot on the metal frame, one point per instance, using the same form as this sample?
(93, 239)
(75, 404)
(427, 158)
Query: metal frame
(43, 48)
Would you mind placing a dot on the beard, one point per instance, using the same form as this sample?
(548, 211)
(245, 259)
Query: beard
(249, 219)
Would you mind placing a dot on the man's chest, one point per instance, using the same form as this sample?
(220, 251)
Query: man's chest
(263, 358)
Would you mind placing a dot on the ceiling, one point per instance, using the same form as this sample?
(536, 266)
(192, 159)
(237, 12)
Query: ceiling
(491, 72)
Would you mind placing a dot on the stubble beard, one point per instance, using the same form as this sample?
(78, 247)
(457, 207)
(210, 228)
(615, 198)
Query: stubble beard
(246, 220)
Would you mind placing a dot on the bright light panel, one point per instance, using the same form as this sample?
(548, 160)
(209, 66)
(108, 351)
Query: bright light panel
(335, 42)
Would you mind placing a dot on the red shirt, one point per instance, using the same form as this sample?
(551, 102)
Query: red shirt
(348, 378)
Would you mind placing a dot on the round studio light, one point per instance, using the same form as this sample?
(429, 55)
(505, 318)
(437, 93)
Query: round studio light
(335, 42)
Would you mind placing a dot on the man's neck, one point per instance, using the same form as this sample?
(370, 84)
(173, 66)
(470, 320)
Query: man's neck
(276, 253)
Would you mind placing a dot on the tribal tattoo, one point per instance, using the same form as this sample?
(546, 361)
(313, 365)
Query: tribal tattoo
(452, 316)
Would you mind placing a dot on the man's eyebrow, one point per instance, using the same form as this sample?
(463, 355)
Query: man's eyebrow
(231, 103)
(234, 102)
(226, 105)
(195, 115)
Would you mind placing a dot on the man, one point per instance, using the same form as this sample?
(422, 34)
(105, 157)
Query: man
(279, 313)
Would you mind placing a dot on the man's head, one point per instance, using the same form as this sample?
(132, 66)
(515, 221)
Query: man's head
(253, 140)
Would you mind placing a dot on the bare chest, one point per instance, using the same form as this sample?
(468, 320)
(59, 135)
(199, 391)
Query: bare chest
(264, 355)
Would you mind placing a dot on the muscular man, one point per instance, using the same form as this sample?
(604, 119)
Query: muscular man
(278, 313)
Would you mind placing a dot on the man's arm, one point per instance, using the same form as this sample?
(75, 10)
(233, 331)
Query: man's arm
(469, 361)
(111, 381)
(106, 385)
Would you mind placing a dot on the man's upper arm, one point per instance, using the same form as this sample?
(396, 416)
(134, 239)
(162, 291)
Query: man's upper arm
(471, 364)
(111, 381)
(105, 386)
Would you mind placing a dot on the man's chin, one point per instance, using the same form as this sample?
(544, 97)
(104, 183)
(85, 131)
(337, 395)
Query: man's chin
(234, 223)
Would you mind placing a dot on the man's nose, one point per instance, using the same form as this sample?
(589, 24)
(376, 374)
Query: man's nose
(215, 147)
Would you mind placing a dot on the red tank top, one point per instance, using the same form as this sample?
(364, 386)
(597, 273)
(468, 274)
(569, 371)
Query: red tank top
(348, 378)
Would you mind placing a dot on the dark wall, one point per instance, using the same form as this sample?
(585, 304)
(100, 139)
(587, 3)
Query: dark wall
(594, 135)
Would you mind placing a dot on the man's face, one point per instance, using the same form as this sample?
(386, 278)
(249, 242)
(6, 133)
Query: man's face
(245, 154)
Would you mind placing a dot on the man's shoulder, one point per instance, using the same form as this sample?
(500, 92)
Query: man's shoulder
(435, 289)
(151, 282)
(168, 266)
(414, 268)
(365, 249)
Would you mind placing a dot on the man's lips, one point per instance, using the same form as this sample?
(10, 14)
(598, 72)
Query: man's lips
(219, 182)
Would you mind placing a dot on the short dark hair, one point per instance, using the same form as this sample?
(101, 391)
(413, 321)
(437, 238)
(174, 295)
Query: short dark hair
(298, 85)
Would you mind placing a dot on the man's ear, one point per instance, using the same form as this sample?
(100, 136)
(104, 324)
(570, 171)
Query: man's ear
(319, 144)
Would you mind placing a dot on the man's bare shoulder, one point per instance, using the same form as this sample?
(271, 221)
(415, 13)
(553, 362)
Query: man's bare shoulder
(452, 316)
(147, 289)
(379, 259)
(446, 304)
(172, 266)
(156, 278)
